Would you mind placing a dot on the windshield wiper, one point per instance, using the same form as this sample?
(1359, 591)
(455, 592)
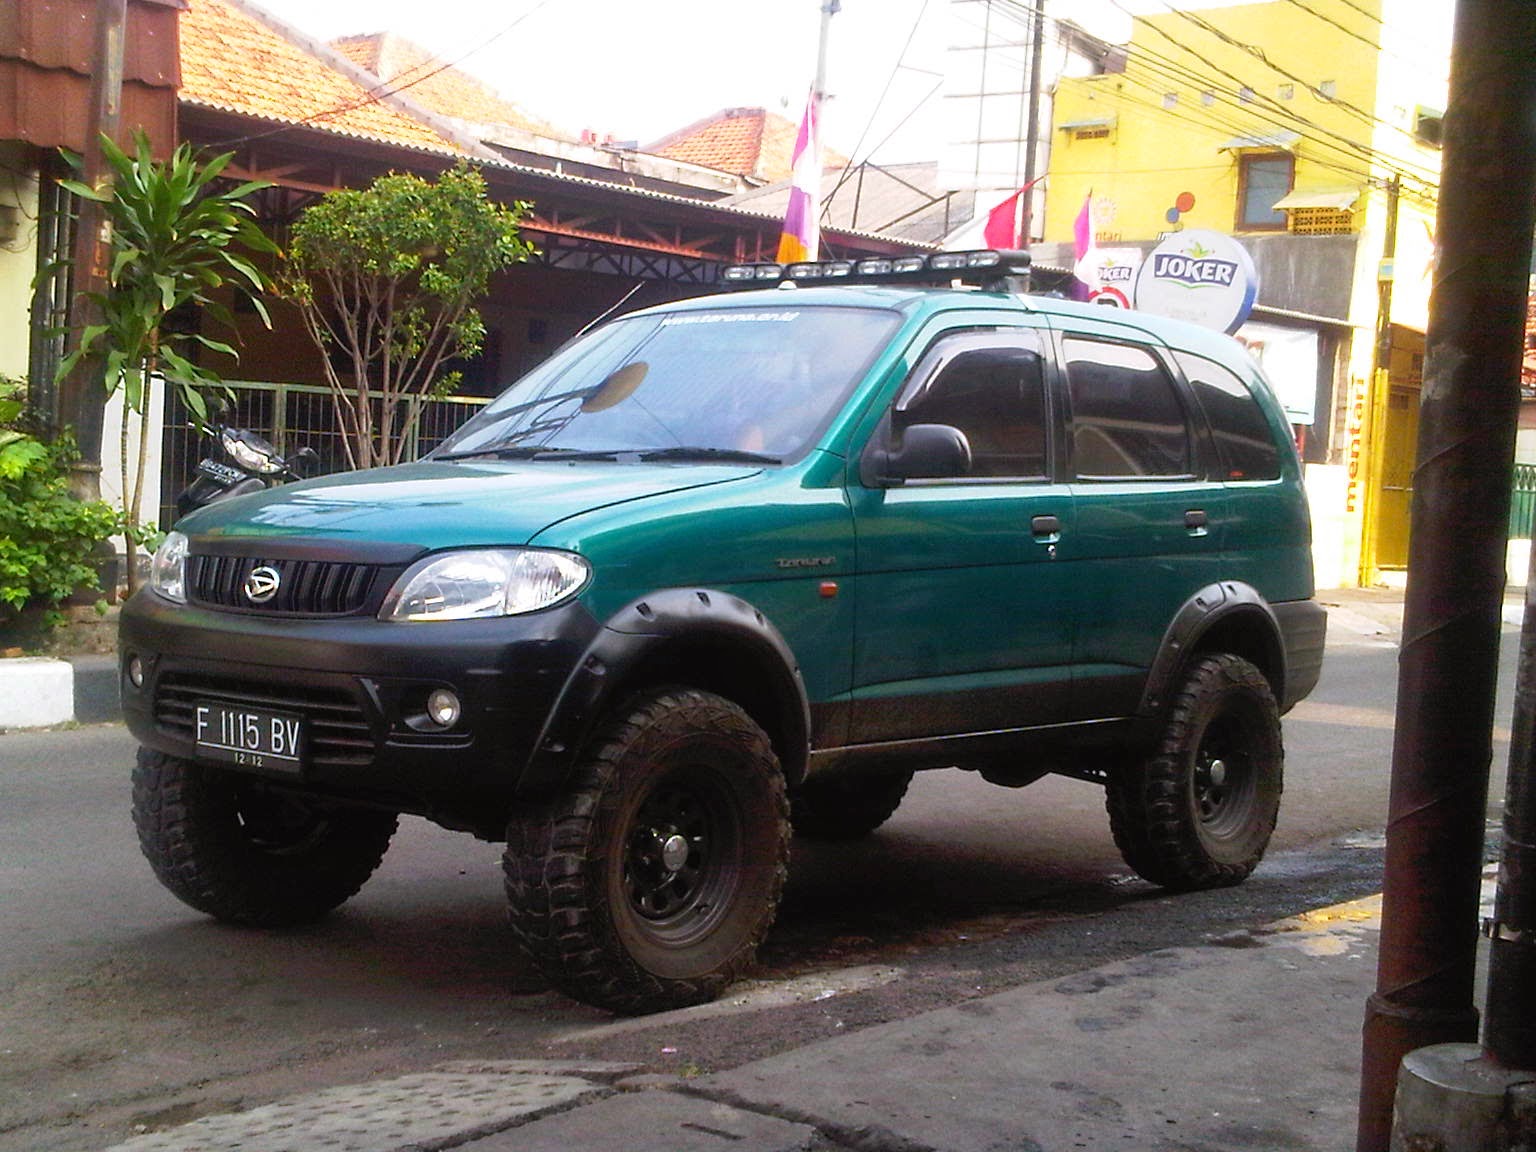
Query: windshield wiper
(504, 452)
(690, 452)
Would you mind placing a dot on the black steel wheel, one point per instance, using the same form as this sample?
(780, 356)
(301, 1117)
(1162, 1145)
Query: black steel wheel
(1199, 812)
(846, 807)
(649, 883)
(238, 850)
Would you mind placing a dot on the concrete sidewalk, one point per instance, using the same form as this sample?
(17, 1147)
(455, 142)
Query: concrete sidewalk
(1248, 1041)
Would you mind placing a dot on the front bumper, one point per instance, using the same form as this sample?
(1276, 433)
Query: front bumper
(360, 685)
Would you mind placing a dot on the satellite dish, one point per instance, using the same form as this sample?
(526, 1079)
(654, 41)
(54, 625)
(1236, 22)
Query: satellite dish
(617, 387)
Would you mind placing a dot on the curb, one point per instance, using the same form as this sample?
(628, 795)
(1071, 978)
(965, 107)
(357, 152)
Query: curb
(41, 691)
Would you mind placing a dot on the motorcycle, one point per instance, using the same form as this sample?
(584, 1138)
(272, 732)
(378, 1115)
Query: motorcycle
(250, 464)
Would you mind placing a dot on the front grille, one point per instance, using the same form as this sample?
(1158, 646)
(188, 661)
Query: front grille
(338, 733)
(305, 587)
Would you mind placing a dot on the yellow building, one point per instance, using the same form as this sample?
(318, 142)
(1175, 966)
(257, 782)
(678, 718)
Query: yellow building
(1309, 130)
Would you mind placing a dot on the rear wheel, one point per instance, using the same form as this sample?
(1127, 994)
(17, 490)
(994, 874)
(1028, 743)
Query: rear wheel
(1199, 812)
(232, 847)
(651, 881)
(846, 807)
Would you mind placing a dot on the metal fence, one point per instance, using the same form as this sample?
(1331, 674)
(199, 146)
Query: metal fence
(292, 416)
(1522, 505)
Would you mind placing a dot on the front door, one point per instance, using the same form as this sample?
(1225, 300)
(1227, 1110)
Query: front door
(964, 614)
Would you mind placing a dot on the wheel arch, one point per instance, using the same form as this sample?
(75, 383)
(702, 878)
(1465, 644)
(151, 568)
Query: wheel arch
(1228, 616)
(698, 637)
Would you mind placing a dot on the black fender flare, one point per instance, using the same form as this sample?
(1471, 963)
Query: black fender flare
(674, 624)
(1223, 605)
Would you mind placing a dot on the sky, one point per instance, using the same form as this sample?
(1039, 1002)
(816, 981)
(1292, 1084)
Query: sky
(639, 69)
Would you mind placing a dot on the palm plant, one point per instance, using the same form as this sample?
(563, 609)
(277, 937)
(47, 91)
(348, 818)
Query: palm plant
(178, 242)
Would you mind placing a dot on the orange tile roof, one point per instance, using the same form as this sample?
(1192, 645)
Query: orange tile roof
(435, 84)
(747, 141)
(234, 61)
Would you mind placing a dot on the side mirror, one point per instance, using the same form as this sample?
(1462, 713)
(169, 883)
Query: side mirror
(304, 461)
(922, 452)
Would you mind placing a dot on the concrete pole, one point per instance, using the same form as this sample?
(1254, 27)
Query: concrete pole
(1448, 664)
(82, 399)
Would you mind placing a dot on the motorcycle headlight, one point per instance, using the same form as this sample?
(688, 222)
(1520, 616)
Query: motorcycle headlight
(168, 569)
(483, 582)
(251, 452)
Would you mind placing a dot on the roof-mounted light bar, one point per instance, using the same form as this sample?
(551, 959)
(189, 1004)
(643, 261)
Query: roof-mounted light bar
(984, 266)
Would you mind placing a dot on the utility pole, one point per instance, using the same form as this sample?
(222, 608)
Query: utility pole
(82, 399)
(1032, 130)
(1448, 663)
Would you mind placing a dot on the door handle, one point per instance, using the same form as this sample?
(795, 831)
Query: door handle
(1195, 521)
(1043, 526)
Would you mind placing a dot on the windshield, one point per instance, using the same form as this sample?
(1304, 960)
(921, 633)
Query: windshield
(753, 383)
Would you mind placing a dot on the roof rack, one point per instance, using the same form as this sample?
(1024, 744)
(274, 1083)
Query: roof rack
(994, 269)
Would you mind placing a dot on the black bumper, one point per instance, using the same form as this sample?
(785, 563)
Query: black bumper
(360, 685)
(1303, 630)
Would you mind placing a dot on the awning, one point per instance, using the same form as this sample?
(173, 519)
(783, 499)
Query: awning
(1082, 125)
(1280, 138)
(1341, 199)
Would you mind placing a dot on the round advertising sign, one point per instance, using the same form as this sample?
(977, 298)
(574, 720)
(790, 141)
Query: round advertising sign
(1201, 276)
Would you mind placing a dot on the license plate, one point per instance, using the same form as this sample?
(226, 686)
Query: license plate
(250, 737)
(223, 473)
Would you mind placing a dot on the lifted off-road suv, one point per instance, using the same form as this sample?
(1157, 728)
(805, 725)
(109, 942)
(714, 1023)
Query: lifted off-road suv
(728, 567)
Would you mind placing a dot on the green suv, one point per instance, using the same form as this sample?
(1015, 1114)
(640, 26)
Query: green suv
(728, 568)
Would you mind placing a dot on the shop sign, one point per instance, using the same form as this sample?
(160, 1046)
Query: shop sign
(1204, 277)
(1288, 359)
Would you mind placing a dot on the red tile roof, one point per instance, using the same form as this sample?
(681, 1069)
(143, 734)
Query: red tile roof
(235, 61)
(436, 84)
(746, 141)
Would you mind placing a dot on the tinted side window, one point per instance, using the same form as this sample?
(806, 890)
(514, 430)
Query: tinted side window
(1126, 415)
(1243, 437)
(993, 392)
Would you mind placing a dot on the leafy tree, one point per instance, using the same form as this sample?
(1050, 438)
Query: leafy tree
(385, 277)
(177, 243)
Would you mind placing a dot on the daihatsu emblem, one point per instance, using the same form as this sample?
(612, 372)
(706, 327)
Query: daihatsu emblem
(262, 584)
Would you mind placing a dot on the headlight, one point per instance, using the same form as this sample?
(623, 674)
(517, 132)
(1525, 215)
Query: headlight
(484, 582)
(168, 570)
(250, 451)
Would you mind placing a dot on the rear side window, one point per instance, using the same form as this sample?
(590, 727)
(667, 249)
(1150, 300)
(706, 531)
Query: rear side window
(992, 388)
(1244, 440)
(1127, 420)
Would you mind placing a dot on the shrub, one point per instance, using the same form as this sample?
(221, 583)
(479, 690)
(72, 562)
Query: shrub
(46, 535)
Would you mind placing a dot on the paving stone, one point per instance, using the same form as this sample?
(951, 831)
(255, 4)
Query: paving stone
(429, 1109)
(653, 1122)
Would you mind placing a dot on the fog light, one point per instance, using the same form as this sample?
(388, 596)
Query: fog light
(135, 671)
(443, 708)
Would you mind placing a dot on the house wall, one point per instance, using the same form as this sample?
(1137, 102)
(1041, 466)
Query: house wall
(18, 255)
(1155, 152)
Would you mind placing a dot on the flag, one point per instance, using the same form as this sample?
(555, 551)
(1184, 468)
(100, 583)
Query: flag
(801, 238)
(1002, 230)
(1082, 246)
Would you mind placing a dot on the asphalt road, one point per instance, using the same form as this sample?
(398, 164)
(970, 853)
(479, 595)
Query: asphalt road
(121, 1011)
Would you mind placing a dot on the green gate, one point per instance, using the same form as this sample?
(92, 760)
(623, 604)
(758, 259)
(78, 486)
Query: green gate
(1522, 505)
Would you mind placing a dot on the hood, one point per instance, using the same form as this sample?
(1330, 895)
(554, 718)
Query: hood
(436, 504)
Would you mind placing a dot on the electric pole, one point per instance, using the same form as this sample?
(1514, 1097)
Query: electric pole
(1448, 665)
(82, 398)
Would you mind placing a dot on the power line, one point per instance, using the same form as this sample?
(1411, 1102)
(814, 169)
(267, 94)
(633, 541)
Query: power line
(1272, 108)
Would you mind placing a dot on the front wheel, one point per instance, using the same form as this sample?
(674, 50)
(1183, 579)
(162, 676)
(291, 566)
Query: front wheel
(1199, 812)
(231, 847)
(649, 883)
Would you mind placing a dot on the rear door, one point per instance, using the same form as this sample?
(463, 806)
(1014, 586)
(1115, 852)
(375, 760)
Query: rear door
(1149, 520)
(964, 619)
